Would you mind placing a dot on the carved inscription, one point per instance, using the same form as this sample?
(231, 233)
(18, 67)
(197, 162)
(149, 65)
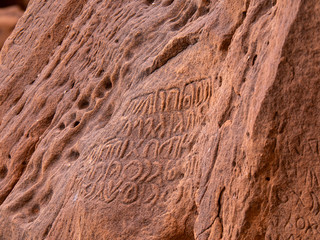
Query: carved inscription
(300, 147)
(152, 150)
(154, 164)
(302, 195)
(191, 95)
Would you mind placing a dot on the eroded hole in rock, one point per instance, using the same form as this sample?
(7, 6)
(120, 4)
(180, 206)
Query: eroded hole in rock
(149, 2)
(220, 81)
(3, 172)
(62, 126)
(103, 86)
(99, 93)
(139, 175)
(225, 43)
(83, 103)
(107, 84)
(35, 209)
(254, 59)
(76, 123)
(180, 176)
(244, 14)
(74, 154)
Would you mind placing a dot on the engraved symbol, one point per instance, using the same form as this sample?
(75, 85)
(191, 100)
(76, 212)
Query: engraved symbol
(313, 143)
(282, 196)
(170, 171)
(149, 151)
(191, 165)
(113, 170)
(147, 170)
(296, 146)
(300, 224)
(127, 129)
(179, 127)
(170, 148)
(129, 192)
(172, 100)
(151, 193)
(165, 195)
(162, 95)
(89, 190)
(291, 237)
(151, 129)
(315, 204)
(188, 96)
(156, 173)
(161, 127)
(111, 191)
(133, 170)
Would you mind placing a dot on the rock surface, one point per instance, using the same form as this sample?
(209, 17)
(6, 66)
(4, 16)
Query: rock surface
(9, 17)
(172, 119)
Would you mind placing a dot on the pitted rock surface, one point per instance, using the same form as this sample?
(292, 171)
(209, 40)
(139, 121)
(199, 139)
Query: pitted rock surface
(163, 120)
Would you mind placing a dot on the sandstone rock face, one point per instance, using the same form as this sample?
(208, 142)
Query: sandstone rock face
(172, 119)
(9, 17)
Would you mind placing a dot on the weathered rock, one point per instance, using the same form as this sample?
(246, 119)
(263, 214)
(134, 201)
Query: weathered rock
(9, 17)
(167, 119)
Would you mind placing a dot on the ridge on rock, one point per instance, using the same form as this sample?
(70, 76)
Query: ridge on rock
(161, 120)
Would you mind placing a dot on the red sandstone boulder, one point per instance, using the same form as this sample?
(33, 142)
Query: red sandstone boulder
(167, 119)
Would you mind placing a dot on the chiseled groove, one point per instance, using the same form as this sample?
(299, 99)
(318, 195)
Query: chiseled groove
(171, 50)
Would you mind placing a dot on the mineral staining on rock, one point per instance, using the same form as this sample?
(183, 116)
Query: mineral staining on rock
(161, 120)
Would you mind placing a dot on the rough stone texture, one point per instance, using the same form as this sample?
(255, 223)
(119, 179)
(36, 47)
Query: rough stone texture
(173, 119)
(10, 12)
(9, 17)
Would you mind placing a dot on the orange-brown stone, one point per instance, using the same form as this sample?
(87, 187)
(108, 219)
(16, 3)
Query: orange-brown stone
(9, 17)
(162, 120)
